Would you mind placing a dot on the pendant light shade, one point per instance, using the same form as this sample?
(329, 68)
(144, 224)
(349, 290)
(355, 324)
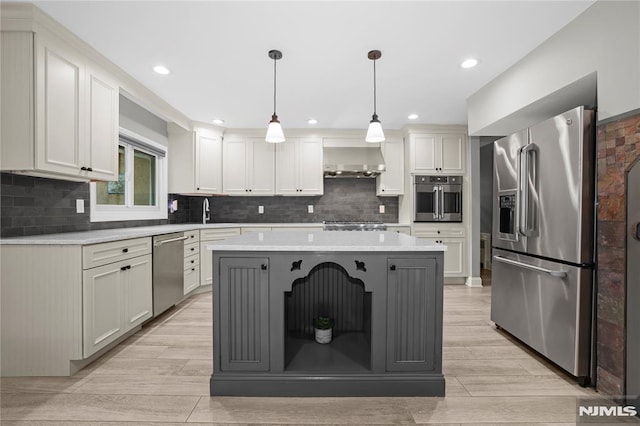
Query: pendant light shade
(374, 133)
(274, 131)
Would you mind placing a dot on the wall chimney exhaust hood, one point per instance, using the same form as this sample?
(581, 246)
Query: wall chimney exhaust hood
(352, 158)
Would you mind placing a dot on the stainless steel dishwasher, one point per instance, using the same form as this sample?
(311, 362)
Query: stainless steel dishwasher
(168, 271)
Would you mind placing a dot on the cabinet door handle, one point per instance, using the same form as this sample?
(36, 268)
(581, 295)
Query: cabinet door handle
(193, 269)
(263, 266)
(124, 268)
(125, 250)
(83, 168)
(392, 267)
(193, 261)
(89, 169)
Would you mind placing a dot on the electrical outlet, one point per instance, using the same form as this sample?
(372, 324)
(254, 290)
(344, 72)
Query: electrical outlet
(381, 208)
(310, 209)
(79, 206)
(260, 209)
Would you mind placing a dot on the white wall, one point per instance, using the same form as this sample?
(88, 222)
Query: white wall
(135, 118)
(604, 42)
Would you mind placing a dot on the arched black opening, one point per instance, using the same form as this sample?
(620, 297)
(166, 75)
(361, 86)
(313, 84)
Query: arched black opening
(328, 290)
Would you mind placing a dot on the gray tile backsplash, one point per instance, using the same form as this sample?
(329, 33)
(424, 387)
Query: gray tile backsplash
(32, 206)
(344, 199)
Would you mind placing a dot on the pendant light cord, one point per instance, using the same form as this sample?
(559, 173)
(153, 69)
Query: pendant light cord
(274, 87)
(374, 87)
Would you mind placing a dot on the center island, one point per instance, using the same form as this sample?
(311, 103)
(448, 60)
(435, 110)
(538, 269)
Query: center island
(382, 293)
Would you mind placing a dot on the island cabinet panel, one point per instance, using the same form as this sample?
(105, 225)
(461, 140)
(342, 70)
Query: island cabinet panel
(385, 308)
(411, 314)
(244, 314)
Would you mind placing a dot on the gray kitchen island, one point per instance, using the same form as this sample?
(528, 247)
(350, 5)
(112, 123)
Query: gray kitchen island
(381, 290)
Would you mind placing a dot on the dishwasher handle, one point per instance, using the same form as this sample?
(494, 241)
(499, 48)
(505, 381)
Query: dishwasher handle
(559, 274)
(170, 240)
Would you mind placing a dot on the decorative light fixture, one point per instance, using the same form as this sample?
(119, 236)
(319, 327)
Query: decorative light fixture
(374, 133)
(274, 131)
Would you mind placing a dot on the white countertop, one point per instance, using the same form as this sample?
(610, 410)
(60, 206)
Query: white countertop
(325, 241)
(106, 235)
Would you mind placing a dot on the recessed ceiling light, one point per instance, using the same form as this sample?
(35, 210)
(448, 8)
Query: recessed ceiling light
(218, 121)
(312, 121)
(161, 69)
(469, 63)
(412, 116)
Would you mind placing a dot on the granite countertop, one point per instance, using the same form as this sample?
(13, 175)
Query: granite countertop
(325, 241)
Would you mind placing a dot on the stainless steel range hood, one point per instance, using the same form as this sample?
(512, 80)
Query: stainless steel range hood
(352, 159)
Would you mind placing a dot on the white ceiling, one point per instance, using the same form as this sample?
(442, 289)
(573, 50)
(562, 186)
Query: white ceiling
(217, 52)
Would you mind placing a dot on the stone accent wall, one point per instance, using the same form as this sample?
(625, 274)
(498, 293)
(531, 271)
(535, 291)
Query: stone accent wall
(618, 147)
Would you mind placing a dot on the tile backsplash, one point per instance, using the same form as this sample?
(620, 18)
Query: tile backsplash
(33, 205)
(344, 199)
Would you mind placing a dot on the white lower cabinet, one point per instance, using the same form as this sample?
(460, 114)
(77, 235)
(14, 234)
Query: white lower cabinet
(453, 236)
(206, 256)
(63, 303)
(191, 261)
(116, 298)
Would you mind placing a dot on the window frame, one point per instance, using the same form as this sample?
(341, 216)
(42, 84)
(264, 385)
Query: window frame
(109, 213)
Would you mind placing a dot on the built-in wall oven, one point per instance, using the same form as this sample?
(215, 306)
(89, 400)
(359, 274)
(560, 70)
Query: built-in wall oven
(438, 198)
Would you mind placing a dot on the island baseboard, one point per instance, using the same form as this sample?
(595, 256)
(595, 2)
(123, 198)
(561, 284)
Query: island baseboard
(369, 385)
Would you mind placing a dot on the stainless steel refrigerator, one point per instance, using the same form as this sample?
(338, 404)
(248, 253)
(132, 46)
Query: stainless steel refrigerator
(542, 270)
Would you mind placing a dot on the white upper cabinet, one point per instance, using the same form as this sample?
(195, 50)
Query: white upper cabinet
(101, 147)
(391, 181)
(248, 167)
(195, 164)
(299, 167)
(208, 163)
(74, 130)
(437, 153)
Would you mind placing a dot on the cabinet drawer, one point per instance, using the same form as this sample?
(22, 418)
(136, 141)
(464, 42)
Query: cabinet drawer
(191, 261)
(218, 234)
(191, 279)
(400, 229)
(192, 236)
(191, 249)
(104, 253)
(438, 233)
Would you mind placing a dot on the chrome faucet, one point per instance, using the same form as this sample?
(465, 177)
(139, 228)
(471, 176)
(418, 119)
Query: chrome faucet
(206, 213)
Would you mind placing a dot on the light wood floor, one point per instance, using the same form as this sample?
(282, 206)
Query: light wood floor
(161, 376)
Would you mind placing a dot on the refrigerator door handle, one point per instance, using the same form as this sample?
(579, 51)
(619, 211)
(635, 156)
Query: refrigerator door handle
(558, 274)
(528, 151)
(519, 209)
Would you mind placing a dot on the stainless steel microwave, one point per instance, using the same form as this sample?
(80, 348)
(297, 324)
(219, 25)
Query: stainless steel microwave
(438, 198)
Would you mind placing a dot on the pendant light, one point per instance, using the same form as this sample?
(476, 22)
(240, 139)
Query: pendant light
(374, 133)
(274, 131)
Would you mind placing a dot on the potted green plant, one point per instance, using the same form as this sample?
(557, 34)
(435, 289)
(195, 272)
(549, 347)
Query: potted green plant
(323, 326)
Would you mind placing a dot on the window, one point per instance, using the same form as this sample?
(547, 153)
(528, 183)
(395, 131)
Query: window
(140, 191)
